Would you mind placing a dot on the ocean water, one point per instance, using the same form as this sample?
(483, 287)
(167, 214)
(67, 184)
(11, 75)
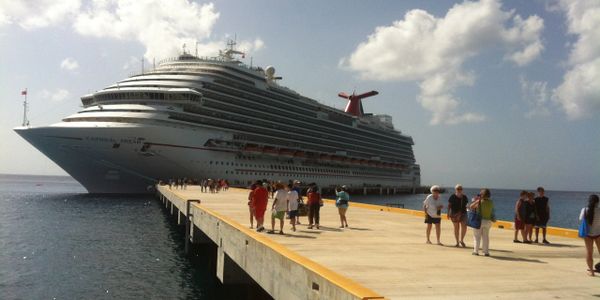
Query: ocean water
(564, 206)
(58, 242)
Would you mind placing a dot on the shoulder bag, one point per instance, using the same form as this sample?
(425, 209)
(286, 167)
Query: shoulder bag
(474, 218)
(583, 226)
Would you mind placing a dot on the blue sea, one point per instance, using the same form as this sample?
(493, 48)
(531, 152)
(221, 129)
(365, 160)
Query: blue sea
(564, 206)
(58, 242)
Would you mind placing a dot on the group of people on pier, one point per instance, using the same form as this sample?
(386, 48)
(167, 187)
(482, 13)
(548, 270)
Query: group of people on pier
(207, 185)
(530, 212)
(287, 199)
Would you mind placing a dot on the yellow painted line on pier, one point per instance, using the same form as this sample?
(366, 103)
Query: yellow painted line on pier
(557, 231)
(347, 284)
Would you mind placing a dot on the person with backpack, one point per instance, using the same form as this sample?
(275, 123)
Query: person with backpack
(591, 216)
(342, 204)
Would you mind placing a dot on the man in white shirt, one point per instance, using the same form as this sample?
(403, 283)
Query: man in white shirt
(279, 207)
(433, 209)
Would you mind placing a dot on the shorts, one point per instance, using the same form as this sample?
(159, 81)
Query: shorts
(458, 217)
(519, 225)
(293, 213)
(278, 215)
(431, 220)
(541, 223)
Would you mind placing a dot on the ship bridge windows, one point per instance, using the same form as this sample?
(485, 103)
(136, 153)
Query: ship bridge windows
(146, 96)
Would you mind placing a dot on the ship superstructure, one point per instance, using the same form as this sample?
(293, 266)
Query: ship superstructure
(215, 117)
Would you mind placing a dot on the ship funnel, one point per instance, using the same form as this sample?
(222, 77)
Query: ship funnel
(354, 106)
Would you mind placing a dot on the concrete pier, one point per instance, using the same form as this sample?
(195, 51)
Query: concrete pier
(382, 254)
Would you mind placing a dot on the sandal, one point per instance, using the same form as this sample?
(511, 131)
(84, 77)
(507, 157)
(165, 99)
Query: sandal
(590, 272)
(463, 244)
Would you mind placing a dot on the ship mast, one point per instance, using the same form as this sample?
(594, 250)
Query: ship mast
(25, 121)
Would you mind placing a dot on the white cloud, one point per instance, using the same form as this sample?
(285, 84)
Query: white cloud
(69, 64)
(57, 95)
(579, 93)
(537, 97)
(161, 26)
(432, 50)
(37, 14)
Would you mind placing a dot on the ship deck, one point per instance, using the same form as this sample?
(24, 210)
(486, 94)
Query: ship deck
(385, 252)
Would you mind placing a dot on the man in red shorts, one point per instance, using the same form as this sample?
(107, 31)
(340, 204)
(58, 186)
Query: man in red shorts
(260, 197)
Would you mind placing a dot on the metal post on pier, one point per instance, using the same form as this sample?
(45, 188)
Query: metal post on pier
(188, 223)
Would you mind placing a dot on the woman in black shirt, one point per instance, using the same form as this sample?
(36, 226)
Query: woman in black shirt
(457, 212)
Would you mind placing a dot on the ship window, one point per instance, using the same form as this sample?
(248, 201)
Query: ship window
(211, 162)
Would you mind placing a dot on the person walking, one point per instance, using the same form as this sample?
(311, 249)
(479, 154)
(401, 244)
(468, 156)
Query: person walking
(314, 206)
(591, 215)
(260, 197)
(433, 210)
(279, 207)
(520, 217)
(342, 203)
(457, 212)
(485, 206)
(293, 202)
(542, 211)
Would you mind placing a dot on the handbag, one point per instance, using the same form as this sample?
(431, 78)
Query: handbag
(583, 227)
(474, 218)
(302, 208)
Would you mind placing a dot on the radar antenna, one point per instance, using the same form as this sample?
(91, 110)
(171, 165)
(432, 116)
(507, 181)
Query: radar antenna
(228, 54)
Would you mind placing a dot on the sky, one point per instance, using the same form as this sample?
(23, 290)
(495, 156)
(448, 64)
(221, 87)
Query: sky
(500, 94)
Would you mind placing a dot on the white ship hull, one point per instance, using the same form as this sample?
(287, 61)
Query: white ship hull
(109, 157)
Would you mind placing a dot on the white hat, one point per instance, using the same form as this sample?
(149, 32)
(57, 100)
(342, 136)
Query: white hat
(434, 188)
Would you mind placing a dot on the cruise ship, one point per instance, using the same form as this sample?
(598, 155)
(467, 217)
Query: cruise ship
(216, 117)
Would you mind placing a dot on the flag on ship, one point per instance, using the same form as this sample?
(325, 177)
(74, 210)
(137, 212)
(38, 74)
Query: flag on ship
(24, 92)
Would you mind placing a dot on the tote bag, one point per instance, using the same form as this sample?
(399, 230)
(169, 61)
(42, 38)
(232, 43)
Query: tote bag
(474, 218)
(583, 226)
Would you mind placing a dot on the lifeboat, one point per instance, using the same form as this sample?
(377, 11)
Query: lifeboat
(286, 152)
(269, 150)
(251, 148)
(299, 154)
(337, 158)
